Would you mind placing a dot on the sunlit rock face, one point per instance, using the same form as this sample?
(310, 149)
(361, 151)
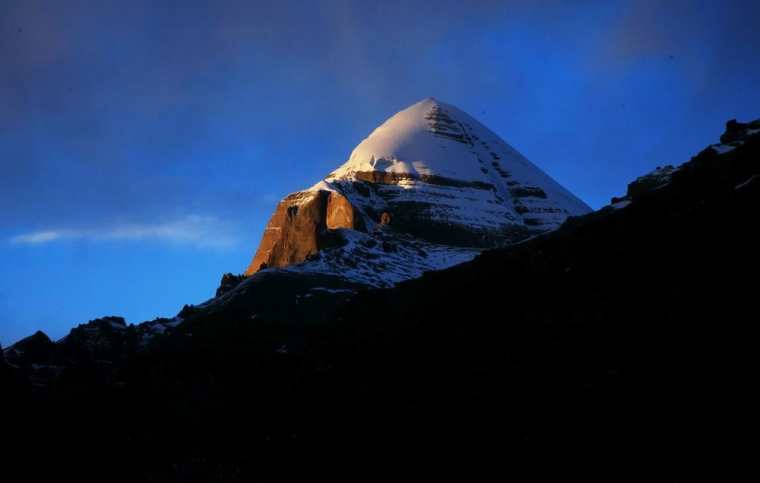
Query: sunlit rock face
(300, 227)
(430, 174)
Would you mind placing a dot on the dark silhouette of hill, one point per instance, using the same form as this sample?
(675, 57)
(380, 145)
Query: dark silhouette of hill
(624, 337)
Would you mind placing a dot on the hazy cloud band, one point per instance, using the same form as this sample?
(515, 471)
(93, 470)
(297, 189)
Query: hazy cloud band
(196, 230)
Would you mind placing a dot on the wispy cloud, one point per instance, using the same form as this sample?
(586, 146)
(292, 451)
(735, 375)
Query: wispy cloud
(196, 230)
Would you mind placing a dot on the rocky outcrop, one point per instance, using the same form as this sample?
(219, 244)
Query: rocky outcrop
(300, 228)
(650, 181)
(739, 131)
(340, 213)
(105, 338)
(228, 282)
(35, 349)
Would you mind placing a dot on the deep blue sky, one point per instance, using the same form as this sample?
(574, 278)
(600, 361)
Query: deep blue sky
(143, 145)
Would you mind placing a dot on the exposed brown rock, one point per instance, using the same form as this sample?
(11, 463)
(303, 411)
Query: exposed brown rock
(384, 177)
(340, 212)
(298, 228)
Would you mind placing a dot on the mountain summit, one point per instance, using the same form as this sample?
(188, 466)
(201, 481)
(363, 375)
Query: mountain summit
(431, 185)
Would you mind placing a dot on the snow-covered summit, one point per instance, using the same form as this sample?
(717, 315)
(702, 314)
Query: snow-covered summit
(435, 139)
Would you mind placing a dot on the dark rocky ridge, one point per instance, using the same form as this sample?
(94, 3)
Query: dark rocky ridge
(35, 349)
(229, 281)
(622, 335)
(737, 132)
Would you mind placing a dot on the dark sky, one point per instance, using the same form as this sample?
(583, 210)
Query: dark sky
(143, 145)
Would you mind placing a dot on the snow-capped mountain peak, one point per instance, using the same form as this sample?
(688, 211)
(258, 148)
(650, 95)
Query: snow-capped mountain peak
(429, 173)
(433, 139)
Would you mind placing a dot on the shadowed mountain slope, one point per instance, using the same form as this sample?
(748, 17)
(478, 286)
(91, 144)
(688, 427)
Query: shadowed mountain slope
(623, 336)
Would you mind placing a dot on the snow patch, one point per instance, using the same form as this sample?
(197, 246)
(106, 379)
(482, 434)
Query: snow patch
(381, 260)
(747, 182)
(621, 204)
(722, 148)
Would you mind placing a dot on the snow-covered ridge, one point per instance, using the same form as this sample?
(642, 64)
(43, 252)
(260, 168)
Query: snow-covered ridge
(382, 260)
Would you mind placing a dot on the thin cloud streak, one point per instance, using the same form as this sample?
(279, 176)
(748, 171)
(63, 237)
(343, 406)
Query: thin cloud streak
(195, 230)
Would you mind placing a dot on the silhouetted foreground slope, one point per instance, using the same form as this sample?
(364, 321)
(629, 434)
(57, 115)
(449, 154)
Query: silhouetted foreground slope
(625, 334)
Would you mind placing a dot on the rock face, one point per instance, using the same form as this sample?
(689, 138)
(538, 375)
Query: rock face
(739, 131)
(229, 281)
(102, 338)
(431, 172)
(299, 228)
